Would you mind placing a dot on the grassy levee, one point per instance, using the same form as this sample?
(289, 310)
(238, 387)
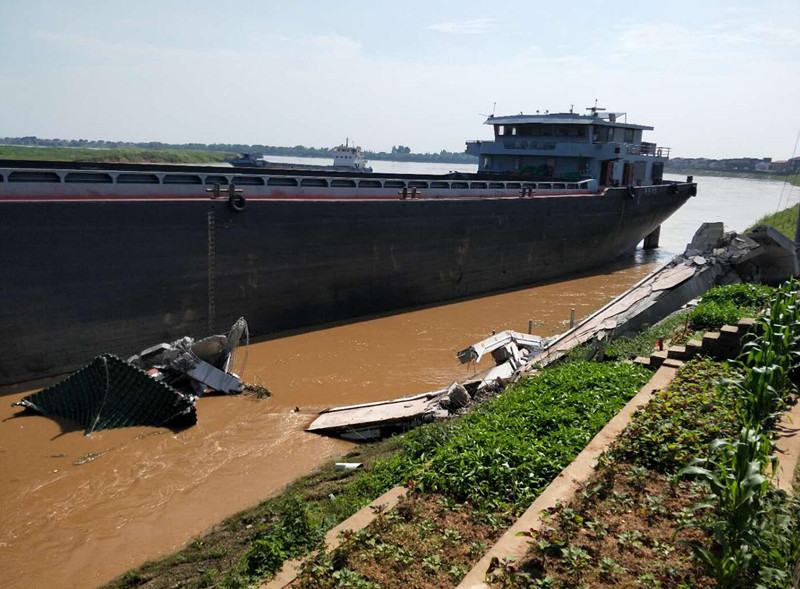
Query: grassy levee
(116, 155)
(784, 221)
(493, 462)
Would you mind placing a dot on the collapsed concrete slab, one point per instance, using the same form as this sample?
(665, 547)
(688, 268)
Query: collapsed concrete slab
(369, 421)
(111, 393)
(712, 258)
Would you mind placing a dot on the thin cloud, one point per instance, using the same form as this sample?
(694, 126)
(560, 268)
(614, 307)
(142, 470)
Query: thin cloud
(336, 44)
(100, 47)
(465, 27)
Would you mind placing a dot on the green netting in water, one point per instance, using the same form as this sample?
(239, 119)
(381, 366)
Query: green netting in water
(111, 393)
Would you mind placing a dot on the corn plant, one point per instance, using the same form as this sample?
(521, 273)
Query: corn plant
(735, 473)
(768, 360)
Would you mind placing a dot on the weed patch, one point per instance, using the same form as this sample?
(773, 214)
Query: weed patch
(725, 305)
(681, 420)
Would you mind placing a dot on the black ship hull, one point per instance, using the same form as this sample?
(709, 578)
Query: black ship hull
(82, 278)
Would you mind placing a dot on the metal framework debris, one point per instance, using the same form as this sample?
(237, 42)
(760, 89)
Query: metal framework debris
(156, 387)
(111, 393)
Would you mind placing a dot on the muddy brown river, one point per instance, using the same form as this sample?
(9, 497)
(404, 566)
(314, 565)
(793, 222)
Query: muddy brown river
(78, 511)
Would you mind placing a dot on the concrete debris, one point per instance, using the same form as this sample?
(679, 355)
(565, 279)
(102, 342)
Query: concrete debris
(370, 421)
(457, 397)
(706, 237)
(347, 465)
(713, 257)
(506, 345)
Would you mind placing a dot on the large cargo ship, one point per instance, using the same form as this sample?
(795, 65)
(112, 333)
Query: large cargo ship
(112, 257)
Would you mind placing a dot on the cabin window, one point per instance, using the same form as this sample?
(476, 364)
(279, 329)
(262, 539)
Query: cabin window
(214, 180)
(487, 161)
(562, 131)
(137, 179)
(581, 131)
(513, 130)
(183, 179)
(340, 183)
(440, 184)
(571, 185)
(314, 182)
(281, 181)
(478, 186)
(417, 184)
(496, 185)
(513, 186)
(33, 177)
(88, 178)
(516, 163)
(501, 130)
(628, 136)
(394, 184)
(559, 186)
(369, 184)
(459, 185)
(545, 186)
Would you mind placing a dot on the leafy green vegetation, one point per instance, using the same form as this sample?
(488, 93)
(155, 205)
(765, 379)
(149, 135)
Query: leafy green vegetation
(784, 221)
(746, 549)
(116, 155)
(681, 420)
(673, 328)
(497, 458)
(419, 543)
(725, 305)
(511, 447)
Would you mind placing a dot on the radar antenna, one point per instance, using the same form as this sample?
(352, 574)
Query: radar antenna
(491, 116)
(595, 108)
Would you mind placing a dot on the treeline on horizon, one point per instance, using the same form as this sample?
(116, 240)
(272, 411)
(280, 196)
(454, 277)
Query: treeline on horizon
(398, 153)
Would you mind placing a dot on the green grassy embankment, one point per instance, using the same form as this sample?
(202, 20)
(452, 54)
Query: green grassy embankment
(119, 155)
(489, 464)
(784, 221)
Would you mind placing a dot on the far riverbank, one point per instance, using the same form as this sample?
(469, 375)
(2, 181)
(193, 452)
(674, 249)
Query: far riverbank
(793, 179)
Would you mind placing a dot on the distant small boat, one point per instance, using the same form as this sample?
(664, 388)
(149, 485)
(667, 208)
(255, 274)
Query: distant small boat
(346, 158)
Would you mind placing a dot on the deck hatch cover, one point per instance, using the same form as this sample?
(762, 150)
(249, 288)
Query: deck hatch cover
(111, 393)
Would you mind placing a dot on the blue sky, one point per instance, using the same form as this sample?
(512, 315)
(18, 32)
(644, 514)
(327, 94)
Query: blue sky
(716, 79)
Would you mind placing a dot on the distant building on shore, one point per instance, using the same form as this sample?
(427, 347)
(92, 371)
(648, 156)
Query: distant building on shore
(746, 164)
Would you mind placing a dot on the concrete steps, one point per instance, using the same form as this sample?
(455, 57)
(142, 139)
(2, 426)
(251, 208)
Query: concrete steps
(723, 344)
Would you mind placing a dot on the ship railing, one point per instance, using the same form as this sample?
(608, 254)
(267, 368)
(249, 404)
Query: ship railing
(650, 149)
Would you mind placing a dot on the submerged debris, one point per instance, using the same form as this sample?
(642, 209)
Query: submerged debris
(159, 386)
(110, 393)
(256, 390)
